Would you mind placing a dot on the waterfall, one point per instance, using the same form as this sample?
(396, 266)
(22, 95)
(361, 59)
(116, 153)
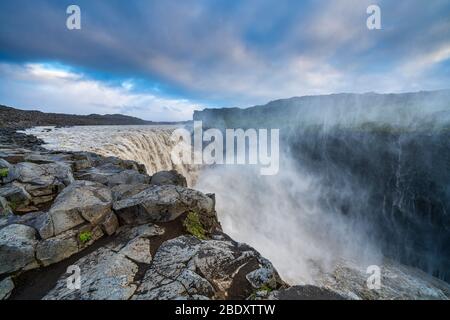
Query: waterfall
(149, 145)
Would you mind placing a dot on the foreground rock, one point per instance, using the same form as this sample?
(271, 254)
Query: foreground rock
(182, 268)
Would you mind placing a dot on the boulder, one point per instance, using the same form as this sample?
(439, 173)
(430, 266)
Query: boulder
(81, 201)
(162, 204)
(17, 248)
(168, 178)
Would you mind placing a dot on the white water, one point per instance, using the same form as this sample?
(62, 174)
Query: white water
(149, 145)
(277, 215)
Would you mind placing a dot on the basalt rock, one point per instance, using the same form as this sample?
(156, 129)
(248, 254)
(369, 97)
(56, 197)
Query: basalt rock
(169, 178)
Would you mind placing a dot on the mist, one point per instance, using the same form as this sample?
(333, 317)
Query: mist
(282, 216)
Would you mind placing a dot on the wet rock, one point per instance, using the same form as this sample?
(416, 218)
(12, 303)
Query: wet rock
(107, 275)
(168, 178)
(17, 247)
(81, 201)
(162, 203)
(6, 288)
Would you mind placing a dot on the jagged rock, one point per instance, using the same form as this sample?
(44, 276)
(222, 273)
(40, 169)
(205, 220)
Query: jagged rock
(106, 275)
(264, 275)
(112, 175)
(186, 266)
(169, 178)
(81, 201)
(162, 203)
(6, 288)
(40, 221)
(57, 248)
(17, 247)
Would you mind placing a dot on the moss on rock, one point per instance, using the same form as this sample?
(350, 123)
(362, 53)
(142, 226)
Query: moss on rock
(194, 226)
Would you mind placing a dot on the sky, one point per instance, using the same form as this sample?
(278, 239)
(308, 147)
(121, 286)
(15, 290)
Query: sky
(161, 60)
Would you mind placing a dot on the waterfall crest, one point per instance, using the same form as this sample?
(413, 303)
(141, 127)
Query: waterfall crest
(149, 145)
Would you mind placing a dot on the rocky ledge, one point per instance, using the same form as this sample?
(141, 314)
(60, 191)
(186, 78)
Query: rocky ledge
(135, 236)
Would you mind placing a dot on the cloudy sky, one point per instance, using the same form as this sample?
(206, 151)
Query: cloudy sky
(160, 60)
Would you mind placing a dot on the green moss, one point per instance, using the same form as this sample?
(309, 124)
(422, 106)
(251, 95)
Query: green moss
(85, 236)
(4, 172)
(194, 226)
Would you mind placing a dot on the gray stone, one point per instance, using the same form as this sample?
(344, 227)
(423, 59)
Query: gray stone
(5, 209)
(58, 248)
(106, 275)
(138, 250)
(16, 195)
(82, 200)
(112, 175)
(4, 164)
(110, 224)
(186, 266)
(17, 247)
(40, 221)
(265, 275)
(43, 175)
(169, 178)
(6, 288)
(162, 204)
(123, 191)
